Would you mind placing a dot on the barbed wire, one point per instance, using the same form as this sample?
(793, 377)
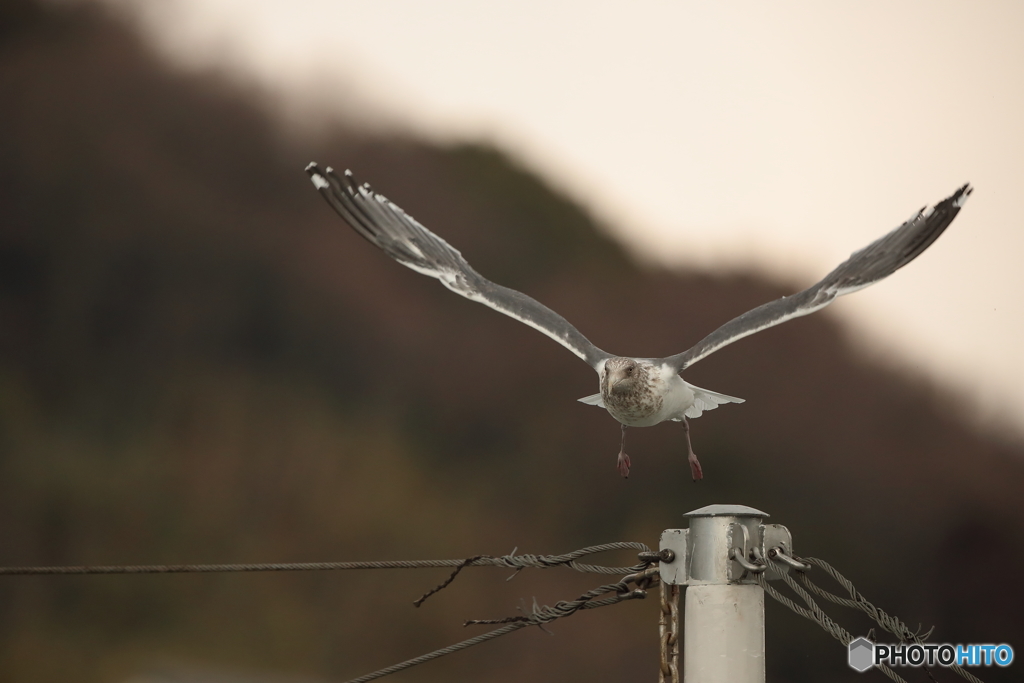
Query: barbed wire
(510, 561)
(640, 574)
(538, 617)
(855, 601)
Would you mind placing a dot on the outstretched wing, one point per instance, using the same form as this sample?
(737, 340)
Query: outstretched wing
(398, 235)
(879, 259)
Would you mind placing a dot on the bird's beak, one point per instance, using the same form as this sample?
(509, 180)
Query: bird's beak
(616, 384)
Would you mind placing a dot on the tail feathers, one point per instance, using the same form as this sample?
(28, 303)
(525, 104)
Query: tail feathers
(704, 399)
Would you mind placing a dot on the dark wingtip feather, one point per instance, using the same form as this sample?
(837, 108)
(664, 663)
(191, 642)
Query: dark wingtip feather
(961, 195)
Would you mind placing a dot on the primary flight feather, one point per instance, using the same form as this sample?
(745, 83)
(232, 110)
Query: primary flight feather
(638, 392)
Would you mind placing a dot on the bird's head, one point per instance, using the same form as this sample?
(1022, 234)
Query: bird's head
(621, 375)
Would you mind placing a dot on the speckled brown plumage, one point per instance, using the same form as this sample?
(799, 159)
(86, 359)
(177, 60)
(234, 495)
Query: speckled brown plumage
(631, 390)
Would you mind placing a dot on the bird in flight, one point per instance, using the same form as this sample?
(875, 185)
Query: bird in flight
(638, 392)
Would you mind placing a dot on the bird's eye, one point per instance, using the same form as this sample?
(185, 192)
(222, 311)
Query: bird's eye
(629, 371)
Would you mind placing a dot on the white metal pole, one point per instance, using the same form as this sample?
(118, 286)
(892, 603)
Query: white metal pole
(724, 608)
(724, 634)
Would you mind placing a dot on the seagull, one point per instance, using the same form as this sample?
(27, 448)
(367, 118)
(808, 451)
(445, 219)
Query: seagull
(638, 392)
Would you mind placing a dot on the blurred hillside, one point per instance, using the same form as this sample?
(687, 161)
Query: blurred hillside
(200, 363)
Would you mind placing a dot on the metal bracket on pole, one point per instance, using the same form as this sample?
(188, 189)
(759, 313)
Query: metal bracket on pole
(717, 559)
(746, 545)
(776, 536)
(674, 573)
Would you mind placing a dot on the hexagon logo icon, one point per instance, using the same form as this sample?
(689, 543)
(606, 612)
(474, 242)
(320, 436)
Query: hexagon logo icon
(862, 654)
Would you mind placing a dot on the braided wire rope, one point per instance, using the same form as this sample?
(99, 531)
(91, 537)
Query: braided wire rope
(886, 621)
(858, 601)
(540, 616)
(813, 612)
(855, 601)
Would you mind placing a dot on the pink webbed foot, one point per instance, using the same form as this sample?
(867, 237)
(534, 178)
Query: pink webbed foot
(622, 464)
(695, 471)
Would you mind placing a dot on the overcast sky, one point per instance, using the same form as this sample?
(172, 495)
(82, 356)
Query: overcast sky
(777, 136)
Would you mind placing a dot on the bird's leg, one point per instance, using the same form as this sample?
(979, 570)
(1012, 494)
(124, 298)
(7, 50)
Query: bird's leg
(695, 470)
(623, 462)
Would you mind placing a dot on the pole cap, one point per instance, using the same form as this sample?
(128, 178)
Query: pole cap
(727, 511)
